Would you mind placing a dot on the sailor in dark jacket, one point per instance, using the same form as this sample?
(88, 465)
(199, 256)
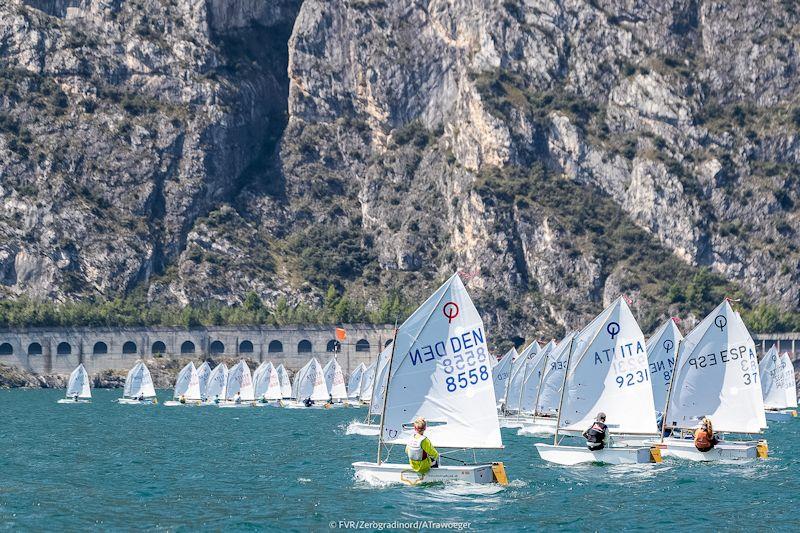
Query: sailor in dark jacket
(597, 435)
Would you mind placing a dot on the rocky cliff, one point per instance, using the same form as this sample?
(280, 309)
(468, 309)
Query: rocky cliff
(564, 151)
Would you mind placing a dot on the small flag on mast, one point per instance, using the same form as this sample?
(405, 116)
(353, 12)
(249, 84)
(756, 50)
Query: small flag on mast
(341, 334)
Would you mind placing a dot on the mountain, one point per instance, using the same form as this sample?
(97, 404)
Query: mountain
(562, 151)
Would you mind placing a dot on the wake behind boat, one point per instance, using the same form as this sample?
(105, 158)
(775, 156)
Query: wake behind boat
(452, 389)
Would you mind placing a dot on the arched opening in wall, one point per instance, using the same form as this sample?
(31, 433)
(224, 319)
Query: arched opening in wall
(159, 347)
(304, 346)
(63, 348)
(216, 347)
(362, 345)
(245, 347)
(187, 347)
(34, 348)
(100, 348)
(129, 347)
(275, 347)
(333, 346)
(6, 349)
(387, 343)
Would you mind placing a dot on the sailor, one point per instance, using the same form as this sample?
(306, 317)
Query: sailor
(216, 398)
(182, 399)
(141, 397)
(238, 398)
(704, 439)
(75, 397)
(597, 435)
(422, 456)
(308, 402)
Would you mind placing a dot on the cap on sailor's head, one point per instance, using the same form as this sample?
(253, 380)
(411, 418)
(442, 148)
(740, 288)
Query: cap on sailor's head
(600, 416)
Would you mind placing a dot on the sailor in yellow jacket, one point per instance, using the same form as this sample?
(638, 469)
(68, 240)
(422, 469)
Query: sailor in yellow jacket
(421, 453)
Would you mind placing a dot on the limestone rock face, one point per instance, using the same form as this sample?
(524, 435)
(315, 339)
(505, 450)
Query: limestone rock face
(562, 151)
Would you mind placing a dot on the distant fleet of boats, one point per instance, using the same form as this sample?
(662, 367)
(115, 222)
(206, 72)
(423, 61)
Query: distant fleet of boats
(654, 392)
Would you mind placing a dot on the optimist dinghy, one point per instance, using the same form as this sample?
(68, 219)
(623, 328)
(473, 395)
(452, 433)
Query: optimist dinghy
(268, 387)
(661, 349)
(216, 385)
(239, 389)
(286, 383)
(78, 390)
(545, 405)
(138, 384)
(203, 373)
(354, 384)
(501, 372)
(716, 376)
(510, 415)
(439, 368)
(778, 386)
(310, 389)
(334, 381)
(371, 427)
(607, 371)
(187, 386)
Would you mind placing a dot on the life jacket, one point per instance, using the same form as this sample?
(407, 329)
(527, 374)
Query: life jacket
(702, 441)
(597, 433)
(414, 448)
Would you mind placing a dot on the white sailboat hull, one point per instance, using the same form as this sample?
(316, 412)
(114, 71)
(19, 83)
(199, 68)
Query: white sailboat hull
(539, 427)
(133, 401)
(233, 405)
(176, 403)
(301, 405)
(402, 473)
(724, 451)
(575, 455)
(360, 428)
(780, 416)
(70, 400)
(513, 421)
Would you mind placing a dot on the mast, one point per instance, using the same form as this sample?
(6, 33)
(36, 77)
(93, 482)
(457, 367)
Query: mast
(541, 382)
(563, 386)
(669, 392)
(524, 381)
(375, 377)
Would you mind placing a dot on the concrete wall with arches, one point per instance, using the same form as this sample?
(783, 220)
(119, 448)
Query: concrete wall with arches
(59, 350)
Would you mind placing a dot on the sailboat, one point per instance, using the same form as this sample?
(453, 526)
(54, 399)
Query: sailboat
(268, 386)
(239, 388)
(334, 381)
(257, 373)
(187, 387)
(365, 393)
(354, 384)
(607, 370)
(716, 376)
(202, 377)
(439, 369)
(310, 389)
(548, 393)
(534, 425)
(138, 386)
(778, 386)
(286, 383)
(511, 417)
(369, 426)
(216, 384)
(501, 372)
(78, 390)
(661, 349)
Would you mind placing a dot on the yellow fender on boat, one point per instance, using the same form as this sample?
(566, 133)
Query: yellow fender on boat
(655, 454)
(762, 450)
(794, 413)
(499, 471)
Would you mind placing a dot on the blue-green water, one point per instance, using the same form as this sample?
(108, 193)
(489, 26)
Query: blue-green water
(109, 466)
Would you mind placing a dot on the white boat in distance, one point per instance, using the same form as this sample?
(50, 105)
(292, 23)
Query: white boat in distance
(138, 386)
(78, 390)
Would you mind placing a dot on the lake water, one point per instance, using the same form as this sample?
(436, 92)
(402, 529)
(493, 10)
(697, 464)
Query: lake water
(118, 467)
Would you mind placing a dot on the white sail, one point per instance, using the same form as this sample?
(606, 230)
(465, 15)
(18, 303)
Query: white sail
(354, 384)
(501, 372)
(240, 381)
(298, 378)
(533, 378)
(366, 382)
(661, 348)
(286, 384)
(791, 382)
(312, 383)
(268, 385)
(518, 373)
(187, 383)
(139, 382)
(609, 373)
(777, 380)
(717, 376)
(334, 380)
(379, 385)
(257, 372)
(78, 383)
(440, 370)
(202, 376)
(554, 368)
(217, 380)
